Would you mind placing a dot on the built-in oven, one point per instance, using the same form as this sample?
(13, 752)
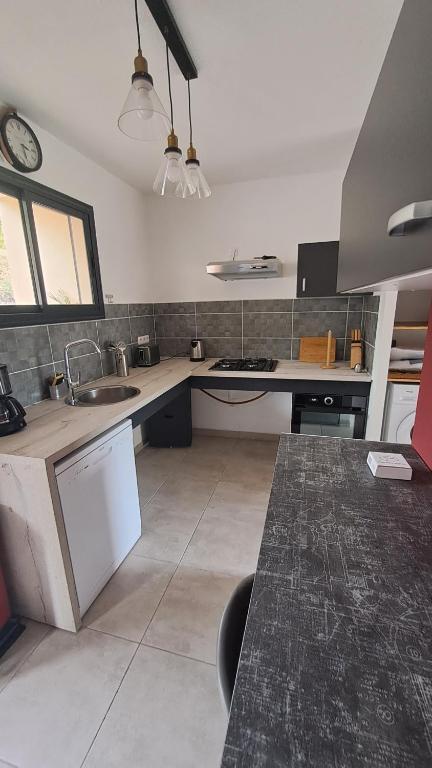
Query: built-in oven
(330, 415)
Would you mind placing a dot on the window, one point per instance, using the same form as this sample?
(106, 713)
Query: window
(49, 267)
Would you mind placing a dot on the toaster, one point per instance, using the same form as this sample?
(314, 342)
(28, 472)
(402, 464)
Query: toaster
(148, 355)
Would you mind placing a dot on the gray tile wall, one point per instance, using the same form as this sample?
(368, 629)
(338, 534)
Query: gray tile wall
(369, 327)
(262, 328)
(34, 352)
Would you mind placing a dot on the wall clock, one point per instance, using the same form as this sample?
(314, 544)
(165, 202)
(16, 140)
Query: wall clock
(19, 144)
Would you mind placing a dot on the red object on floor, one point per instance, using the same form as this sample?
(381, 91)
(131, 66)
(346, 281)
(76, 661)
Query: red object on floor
(422, 433)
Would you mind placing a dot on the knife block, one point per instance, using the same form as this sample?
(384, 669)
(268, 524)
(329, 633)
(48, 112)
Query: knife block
(356, 353)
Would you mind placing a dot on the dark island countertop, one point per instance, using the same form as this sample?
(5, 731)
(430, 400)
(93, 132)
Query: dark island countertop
(336, 663)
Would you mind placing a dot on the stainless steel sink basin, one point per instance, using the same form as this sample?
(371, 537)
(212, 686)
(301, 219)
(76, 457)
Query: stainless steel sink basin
(104, 395)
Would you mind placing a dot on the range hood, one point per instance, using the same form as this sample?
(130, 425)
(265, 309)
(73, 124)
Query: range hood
(265, 266)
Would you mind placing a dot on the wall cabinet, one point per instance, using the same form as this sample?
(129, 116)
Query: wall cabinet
(317, 266)
(392, 162)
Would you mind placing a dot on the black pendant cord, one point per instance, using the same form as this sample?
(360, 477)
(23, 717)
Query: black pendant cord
(137, 26)
(169, 86)
(190, 115)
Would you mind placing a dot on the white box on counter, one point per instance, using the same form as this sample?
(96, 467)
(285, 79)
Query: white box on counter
(392, 466)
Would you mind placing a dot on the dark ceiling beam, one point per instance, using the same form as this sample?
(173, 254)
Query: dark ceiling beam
(167, 24)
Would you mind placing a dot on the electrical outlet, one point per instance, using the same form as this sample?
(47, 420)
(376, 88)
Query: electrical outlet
(144, 339)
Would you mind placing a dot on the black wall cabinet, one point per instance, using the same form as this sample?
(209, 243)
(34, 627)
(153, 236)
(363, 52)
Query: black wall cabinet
(317, 266)
(392, 162)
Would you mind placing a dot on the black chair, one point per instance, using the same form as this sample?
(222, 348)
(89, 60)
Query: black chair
(230, 638)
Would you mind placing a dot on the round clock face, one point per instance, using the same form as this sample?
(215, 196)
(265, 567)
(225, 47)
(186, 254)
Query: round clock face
(20, 145)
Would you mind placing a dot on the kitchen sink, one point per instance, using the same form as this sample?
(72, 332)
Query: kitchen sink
(104, 395)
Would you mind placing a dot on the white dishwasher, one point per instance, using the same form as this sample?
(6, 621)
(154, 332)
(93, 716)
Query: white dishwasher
(99, 498)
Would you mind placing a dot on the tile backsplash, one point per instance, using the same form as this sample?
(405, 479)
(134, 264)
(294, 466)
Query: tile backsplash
(262, 327)
(32, 353)
(369, 326)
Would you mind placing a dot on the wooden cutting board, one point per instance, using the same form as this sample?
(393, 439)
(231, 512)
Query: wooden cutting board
(313, 349)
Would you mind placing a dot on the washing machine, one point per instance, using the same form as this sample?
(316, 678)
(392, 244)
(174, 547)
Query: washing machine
(400, 409)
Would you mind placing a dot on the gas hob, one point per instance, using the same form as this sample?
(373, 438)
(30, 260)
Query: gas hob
(260, 364)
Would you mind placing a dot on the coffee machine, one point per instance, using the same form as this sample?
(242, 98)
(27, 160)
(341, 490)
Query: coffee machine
(11, 411)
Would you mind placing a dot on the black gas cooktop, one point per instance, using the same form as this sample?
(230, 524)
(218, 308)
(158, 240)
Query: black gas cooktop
(245, 364)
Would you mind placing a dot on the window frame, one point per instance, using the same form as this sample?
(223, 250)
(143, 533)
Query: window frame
(27, 191)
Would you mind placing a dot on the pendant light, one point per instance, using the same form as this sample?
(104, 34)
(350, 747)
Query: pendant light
(172, 179)
(199, 181)
(143, 117)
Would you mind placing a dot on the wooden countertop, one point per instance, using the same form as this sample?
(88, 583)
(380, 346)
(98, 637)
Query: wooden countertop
(289, 369)
(55, 429)
(336, 662)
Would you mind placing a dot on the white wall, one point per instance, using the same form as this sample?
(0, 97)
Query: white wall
(270, 415)
(267, 216)
(119, 214)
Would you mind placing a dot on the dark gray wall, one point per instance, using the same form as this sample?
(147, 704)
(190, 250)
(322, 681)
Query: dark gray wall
(392, 162)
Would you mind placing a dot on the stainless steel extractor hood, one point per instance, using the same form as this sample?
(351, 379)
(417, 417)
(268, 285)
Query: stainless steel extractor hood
(265, 266)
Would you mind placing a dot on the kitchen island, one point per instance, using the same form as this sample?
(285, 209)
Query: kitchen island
(336, 663)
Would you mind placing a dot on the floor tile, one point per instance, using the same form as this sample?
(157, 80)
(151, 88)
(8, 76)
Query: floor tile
(207, 457)
(165, 460)
(21, 649)
(167, 714)
(51, 710)
(183, 496)
(253, 472)
(225, 544)
(162, 545)
(149, 480)
(231, 499)
(170, 518)
(188, 618)
(265, 450)
(126, 605)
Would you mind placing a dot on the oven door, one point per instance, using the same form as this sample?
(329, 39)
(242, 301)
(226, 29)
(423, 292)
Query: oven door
(328, 422)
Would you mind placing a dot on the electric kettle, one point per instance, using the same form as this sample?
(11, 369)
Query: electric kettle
(197, 353)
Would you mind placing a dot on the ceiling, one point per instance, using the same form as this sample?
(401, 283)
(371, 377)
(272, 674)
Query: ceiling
(282, 85)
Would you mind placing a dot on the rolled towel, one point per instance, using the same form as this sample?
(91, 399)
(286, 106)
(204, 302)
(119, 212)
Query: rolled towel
(400, 353)
(406, 365)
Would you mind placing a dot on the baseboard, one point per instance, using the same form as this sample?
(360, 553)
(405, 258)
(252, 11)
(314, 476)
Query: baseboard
(271, 437)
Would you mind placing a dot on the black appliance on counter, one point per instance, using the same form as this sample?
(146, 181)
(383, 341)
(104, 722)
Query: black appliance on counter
(11, 411)
(330, 415)
(245, 364)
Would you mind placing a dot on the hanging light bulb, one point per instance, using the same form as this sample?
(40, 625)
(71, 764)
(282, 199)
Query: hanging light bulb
(198, 180)
(172, 178)
(143, 117)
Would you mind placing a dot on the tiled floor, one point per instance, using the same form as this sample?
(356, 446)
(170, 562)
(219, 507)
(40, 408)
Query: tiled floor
(137, 685)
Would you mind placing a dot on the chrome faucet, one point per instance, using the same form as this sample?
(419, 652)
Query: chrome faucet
(72, 385)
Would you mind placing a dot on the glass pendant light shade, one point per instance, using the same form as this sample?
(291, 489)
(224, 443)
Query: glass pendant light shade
(143, 117)
(198, 180)
(173, 178)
